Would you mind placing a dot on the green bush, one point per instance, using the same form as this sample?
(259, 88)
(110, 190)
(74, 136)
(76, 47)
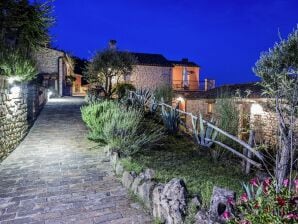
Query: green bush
(14, 64)
(165, 92)
(95, 115)
(128, 132)
(121, 88)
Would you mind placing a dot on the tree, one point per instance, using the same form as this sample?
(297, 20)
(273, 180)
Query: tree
(24, 25)
(278, 70)
(108, 65)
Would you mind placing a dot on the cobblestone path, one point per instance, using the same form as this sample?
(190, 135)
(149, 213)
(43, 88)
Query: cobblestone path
(55, 176)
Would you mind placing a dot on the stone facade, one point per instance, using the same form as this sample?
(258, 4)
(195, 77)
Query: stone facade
(48, 60)
(150, 77)
(18, 110)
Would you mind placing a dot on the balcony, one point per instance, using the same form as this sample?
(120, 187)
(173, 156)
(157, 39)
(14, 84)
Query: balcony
(196, 86)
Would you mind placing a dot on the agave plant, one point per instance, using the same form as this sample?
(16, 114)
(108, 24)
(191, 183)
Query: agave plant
(171, 119)
(206, 135)
(141, 98)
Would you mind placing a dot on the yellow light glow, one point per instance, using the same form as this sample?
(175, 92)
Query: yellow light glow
(256, 109)
(180, 99)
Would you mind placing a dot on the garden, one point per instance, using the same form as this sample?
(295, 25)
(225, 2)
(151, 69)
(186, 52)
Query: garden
(146, 132)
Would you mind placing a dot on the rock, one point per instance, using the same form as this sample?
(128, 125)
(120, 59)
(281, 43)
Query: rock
(114, 159)
(128, 178)
(196, 202)
(156, 202)
(169, 201)
(222, 200)
(202, 217)
(137, 181)
(119, 169)
(145, 193)
(149, 174)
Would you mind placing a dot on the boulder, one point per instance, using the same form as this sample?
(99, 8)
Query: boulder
(119, 169)
(222, 200)
(145, 191)
(128, 178)
(169, 201)
(149, 174)
(156, 202)
(137, 181)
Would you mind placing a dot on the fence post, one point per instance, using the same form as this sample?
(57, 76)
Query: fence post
(248, 153)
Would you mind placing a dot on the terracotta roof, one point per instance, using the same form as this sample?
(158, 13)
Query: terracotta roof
(151, 59)
(254, 88)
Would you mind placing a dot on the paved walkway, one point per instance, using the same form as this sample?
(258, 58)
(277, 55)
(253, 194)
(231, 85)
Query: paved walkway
(54, 176)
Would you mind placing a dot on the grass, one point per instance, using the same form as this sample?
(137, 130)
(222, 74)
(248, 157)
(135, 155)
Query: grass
(180, 157)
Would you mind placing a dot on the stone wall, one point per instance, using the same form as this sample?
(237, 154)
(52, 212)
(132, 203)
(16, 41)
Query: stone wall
(150, 77)
(17, 113)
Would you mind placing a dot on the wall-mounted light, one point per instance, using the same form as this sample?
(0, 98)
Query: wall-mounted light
(180, 99)
(15, 90)
(256, 109)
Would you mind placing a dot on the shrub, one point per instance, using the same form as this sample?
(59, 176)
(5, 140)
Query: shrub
(171, 119)
(227, 118)
(121, 88)
(165, 92)
(14, 64)
(96, 115)
(128, 132)
(261, 204)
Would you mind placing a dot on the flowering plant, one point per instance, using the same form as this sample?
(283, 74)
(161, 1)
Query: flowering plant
(261, 204)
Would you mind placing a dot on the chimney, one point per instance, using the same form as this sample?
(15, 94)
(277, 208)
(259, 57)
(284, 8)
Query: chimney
(184, 60)
(112, 44)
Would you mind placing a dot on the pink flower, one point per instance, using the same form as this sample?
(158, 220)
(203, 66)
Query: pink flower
(254, 182)
(296, 185)
(230, 201)
(244, 222)
(267, 181)
(286, 182)
(226, 214)
(291, 216)
(244, 197)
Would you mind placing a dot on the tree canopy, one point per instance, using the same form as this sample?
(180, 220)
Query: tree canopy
(107, 65)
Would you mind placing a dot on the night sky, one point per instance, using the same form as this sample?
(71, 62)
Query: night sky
(224, 37)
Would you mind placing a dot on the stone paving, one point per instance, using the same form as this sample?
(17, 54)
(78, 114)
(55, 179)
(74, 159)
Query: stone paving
(56, 175)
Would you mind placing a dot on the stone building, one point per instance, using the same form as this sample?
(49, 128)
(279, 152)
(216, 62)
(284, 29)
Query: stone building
(255, 111)
(61, 74)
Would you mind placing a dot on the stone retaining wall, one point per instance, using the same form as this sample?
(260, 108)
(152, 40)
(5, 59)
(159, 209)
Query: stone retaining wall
(16, 111)
(169, 203)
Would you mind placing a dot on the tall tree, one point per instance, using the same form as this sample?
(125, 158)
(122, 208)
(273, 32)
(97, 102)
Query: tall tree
(109, 65)
(278, 70)
(24, 25)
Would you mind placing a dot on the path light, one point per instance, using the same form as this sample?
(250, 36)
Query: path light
(256, 109)
(50, 93)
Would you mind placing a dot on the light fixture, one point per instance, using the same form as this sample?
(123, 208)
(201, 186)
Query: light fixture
(256, 109)
(15, 90)
(50, 93)
(180, 99)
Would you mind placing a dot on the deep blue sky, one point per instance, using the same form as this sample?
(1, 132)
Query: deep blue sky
(224, 37)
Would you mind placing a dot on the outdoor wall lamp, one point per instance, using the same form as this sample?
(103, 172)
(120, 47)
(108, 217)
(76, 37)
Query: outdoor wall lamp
(256, 109)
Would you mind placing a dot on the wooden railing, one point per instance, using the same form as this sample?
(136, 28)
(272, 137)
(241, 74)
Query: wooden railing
(194, 130)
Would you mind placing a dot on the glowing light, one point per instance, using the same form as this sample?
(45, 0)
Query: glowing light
(256, 109)
(50, 93)
(15, 90)
(180, 99)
